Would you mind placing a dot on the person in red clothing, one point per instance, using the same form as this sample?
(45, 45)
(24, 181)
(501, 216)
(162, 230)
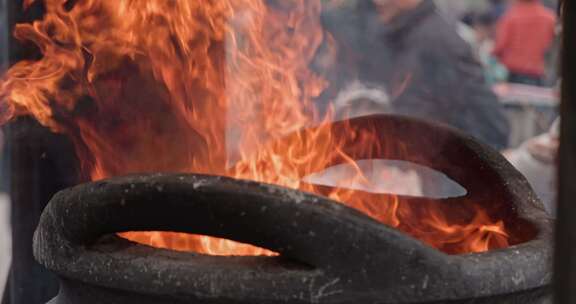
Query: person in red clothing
(524, 35)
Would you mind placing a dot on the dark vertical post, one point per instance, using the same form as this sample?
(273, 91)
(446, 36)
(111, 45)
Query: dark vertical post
(41, 163)
(4, 54)
(4, 33)
(565, 275)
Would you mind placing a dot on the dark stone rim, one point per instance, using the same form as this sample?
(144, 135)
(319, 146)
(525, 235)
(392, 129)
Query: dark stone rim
(352, 257)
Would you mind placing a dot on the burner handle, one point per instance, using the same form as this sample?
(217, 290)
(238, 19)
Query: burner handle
(332, 245)
(475, 166)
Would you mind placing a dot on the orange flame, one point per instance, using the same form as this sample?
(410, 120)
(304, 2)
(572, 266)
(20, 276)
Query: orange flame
(203, 87)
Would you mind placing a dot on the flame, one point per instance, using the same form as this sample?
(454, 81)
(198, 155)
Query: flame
(204, 87)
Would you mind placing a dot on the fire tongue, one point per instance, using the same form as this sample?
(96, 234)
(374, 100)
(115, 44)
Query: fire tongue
(147, 86)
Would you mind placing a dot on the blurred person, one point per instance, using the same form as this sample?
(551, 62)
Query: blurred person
(537, 159)
(498, 8)
(551, 4)
(454, 9)
(427, 69)
(484, 26)
(465, 28)
(524, 35)
(359, 99)
(403, 57)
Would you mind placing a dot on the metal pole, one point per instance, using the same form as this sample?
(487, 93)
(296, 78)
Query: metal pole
(565, 275)
(4, 33)
(41, 163)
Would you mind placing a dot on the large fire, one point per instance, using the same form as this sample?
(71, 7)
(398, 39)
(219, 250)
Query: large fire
(204, 87)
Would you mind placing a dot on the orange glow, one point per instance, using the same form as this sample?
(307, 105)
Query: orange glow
(196, 243)
(170, 86)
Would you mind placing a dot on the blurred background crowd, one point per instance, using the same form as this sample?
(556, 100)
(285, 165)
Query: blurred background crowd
(517, 43)
(485, 67)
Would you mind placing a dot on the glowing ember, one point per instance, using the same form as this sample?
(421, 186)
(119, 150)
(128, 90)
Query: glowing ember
(148, 86)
